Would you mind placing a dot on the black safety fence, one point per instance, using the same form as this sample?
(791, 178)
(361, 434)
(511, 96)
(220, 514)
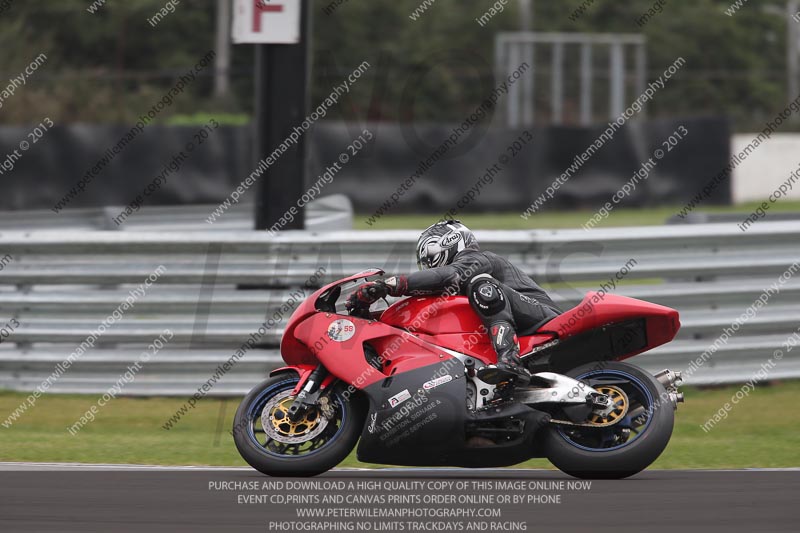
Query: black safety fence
(405, 167)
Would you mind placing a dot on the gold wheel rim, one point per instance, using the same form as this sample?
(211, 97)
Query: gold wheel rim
(279, 417)
(619, 400)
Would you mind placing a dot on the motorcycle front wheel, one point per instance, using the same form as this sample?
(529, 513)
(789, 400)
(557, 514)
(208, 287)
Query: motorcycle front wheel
(625, 441)
(276, 446)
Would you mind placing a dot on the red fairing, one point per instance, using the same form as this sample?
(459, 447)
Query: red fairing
(297, 353)
(451, 322)
(447, 321)
(337, 341)
(598, 309)
(434, 315)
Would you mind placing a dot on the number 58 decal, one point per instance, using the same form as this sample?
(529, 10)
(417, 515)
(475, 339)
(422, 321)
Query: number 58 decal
(341, 330)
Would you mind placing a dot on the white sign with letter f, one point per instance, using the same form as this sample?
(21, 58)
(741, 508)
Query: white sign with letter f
(266, 21)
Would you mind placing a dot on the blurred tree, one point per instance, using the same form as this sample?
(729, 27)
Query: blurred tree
(112, 65)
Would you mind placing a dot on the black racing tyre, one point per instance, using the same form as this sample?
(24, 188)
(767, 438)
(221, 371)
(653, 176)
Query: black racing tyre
(629, 446)
(308, 448)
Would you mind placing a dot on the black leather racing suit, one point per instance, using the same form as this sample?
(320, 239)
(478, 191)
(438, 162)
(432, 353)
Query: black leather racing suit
(527, 306)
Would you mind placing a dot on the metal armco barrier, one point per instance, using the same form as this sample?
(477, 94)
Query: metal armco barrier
(218, 287)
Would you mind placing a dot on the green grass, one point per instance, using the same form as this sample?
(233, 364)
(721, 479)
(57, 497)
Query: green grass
(200, 119)
(763, 430)
(620, 216)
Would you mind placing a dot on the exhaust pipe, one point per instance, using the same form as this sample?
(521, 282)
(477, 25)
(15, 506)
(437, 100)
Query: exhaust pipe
(676, 397)
(671, 380)
(668, 378)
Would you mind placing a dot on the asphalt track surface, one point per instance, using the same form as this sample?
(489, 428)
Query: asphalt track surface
(131, 498)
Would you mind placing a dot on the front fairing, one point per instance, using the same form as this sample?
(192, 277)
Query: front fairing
(324, 299)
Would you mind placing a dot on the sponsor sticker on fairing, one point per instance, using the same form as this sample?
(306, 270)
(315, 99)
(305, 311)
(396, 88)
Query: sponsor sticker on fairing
(399, 398)
(432, 384)
(341, 330)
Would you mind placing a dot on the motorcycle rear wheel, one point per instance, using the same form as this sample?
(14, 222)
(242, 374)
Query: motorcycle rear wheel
(625, 448)
(283, 450)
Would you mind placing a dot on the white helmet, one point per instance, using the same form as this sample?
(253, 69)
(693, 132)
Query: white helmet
(440, 243)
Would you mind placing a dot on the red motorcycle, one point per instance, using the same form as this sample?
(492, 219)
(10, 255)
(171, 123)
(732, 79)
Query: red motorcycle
(404, 380)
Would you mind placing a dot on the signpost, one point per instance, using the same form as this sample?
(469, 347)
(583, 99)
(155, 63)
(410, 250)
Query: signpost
(267, 21)
(279, 29)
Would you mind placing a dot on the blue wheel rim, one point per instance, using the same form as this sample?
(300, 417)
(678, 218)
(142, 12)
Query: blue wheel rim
(257, 406)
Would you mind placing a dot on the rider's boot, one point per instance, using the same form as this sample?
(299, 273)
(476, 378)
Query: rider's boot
(508, 367)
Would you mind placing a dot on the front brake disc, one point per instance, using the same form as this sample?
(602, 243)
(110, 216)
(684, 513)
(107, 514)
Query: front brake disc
(279, 427)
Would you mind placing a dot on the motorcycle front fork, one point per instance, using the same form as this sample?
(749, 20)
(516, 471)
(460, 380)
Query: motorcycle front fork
(309, 395)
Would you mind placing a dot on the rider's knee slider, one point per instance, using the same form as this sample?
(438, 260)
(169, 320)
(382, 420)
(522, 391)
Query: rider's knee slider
(486, 296)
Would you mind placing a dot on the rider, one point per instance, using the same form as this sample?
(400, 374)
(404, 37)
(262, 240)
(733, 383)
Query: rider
(506, 299)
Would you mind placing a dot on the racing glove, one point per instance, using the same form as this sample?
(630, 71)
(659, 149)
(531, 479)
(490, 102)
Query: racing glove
(396, 285)
(371, 292)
